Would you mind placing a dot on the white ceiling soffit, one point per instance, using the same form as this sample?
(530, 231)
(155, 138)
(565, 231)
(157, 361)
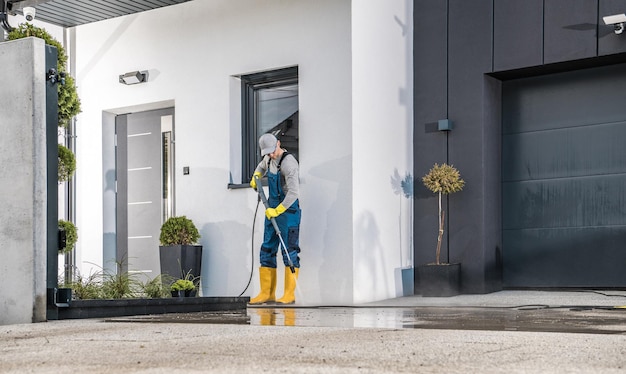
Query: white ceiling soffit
(69, 13)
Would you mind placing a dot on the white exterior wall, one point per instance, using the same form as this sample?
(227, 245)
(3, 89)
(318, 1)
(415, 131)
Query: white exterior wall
(382, 145)
(353, 113)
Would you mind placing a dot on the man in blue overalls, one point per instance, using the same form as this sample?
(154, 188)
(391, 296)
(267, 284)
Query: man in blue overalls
(281, 169)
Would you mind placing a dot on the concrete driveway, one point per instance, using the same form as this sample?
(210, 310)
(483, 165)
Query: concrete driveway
(460, 337)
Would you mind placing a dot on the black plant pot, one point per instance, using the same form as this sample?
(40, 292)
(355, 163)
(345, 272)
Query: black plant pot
(63, 296)
(179, 293)
(184, 293)
(179, 260)
(439, 280)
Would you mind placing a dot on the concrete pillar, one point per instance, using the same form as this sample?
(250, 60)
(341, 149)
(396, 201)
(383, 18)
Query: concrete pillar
(22, 181)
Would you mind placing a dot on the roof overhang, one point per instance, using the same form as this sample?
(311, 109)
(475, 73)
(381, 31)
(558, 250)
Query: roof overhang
(69, 13)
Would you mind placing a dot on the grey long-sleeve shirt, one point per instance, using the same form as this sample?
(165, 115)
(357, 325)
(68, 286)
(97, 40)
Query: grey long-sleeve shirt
(289, 176)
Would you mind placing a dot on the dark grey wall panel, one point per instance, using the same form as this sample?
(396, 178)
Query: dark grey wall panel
(470, 51)
(608, 41)
(570, 30)
(518, 34)
(430, 105)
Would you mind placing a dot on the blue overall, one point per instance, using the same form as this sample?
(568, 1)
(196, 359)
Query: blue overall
(288, 223)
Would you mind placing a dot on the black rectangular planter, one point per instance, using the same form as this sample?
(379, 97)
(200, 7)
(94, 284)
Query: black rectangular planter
(178, 260)
(439, 280)
(79, 309)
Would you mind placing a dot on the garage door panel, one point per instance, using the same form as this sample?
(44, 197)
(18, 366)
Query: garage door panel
(564, 257)
(572, 202)
(570, 152)
(578, 98)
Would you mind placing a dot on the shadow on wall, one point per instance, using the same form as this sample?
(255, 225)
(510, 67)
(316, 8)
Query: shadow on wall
(370, 260)
(403, 186)
(218, 277)
(335, 272)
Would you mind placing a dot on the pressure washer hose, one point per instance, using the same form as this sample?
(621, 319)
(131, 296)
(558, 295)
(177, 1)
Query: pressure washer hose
(252, 246)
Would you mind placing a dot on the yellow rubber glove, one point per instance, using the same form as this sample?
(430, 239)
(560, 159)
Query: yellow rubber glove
(252, 181)
(275, 212)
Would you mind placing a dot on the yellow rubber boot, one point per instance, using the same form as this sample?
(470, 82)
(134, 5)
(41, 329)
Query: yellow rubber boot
(267, 277)
(290, 287)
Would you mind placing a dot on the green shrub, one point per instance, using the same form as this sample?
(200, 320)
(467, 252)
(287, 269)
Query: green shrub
(90, 287)
(179, 231)
(67, 163)
(182, 285)
(154, 289)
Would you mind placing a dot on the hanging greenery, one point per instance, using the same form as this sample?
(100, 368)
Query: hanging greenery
(67, 163)
(68, 107)
(71, 235)
(69, 102)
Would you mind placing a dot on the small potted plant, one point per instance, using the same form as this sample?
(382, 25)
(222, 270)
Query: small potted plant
(179, 252)
(182, 288)
(441, 279)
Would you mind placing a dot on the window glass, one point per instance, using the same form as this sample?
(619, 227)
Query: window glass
(270, 105)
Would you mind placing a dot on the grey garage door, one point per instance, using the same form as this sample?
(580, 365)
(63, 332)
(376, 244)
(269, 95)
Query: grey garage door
(564, 179)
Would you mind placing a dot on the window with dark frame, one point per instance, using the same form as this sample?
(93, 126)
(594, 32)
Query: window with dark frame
(269, 105)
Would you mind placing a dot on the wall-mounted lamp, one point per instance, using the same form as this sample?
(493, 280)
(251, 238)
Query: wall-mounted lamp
(444, 125)
(134, 77)
(617, 21)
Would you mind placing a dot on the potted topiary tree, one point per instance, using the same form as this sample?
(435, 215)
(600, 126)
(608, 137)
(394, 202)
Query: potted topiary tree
(179, 252)
(441, 279)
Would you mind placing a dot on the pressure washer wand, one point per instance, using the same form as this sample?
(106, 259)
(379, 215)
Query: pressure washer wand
(259, 188)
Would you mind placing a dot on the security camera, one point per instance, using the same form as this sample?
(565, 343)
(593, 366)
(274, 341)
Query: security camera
(29, 13)
(617, 18)
(617, 21)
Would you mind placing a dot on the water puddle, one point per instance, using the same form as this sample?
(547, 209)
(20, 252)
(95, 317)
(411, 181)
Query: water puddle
(529, 318)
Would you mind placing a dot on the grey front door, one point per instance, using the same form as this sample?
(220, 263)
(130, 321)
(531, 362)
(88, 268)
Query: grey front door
(141, 189)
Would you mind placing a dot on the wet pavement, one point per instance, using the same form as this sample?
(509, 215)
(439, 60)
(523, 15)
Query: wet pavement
(573, 312)
(594, 320)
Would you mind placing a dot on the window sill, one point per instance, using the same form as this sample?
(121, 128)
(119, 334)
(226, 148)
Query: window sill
(232, 186)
